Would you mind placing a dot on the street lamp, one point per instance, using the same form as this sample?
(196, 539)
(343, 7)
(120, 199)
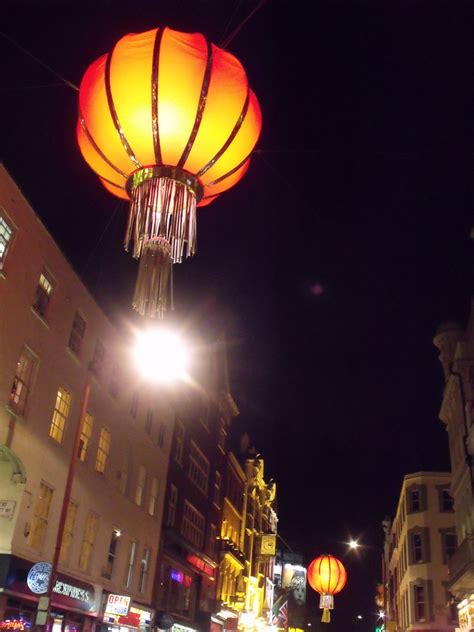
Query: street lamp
(353, 545)
(160, 356)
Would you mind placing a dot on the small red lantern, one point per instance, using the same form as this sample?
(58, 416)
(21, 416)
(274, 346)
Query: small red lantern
(327, 576)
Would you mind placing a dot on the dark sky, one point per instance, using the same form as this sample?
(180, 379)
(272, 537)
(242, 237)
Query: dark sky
(331, 263)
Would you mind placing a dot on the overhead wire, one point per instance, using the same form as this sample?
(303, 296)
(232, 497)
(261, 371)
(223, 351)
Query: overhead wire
(27, 52)
(241, 24)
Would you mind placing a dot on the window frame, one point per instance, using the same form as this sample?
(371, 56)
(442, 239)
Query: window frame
(60, 416)
(21, 411)
(102, 451)
(198, 472)
(190, 530)
(11, 226)
(75, 335)
(42, 299)
(87, 545)
(39, 522)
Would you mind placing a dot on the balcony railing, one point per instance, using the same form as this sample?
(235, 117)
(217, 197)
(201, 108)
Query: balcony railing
(461, 568)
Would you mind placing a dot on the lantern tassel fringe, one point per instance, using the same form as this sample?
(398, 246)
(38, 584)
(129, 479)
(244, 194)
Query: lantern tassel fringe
(162, 207)
(154, 278)
(326, 618)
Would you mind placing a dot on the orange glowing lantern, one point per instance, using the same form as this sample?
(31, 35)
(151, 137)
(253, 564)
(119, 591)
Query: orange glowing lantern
(327, 576)
(166, 120)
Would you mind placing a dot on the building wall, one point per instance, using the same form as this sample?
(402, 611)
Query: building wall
(420, 541)
(110, 495)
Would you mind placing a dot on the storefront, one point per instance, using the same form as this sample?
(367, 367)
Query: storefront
(121, 614)
(74, 603)
(466, 614)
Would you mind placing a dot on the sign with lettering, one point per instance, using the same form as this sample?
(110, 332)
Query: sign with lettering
(117, 604)
(68, 592)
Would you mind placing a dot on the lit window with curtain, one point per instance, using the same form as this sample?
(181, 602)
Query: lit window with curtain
(103, 450)
(153, 496)
(43, 293)
(140, 485)
(144, 569)
(86, 434)
(68, 531)
(88, 541)
(39, 523)
(60, 414)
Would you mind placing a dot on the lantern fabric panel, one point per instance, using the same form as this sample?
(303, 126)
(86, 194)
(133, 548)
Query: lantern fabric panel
(130, 92)
(182, 64)
(97, 161)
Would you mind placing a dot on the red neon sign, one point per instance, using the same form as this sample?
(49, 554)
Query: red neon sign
(200, 564)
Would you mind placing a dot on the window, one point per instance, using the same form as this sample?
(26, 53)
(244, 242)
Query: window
(417, 547)
(172, 502)
(176, 586)
(198, 470)
(68, 531)
(115, 382)
(78, 331)
(88, 540)
(5, 236)
(103, 450)
(161, 435)
(98, 359)
(22, 381)
(134, 405)
(416, 498)
(144, 570)
(112, 554)
(149, 421)
(446, 502)
(179, 446)
(86, 434)
(449, 543)
(140, 485)
(217, 490)
(43, 293)
(131, 563)
(153, 496)
(60, 414)
(420, 606)
(40, 516)
(192, 526)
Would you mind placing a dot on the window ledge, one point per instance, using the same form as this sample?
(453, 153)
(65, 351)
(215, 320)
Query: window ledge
(15, 414)
(72, 355)
(39, 317)
(2, 275)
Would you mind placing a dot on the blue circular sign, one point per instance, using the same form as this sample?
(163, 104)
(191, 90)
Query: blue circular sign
(38, 577)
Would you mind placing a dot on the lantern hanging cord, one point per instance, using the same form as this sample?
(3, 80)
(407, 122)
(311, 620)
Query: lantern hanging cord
(12, 41)
(237, 29)
(285, 543)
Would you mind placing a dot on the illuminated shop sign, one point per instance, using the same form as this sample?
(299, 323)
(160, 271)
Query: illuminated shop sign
(201, 565)
(38, 578)
(117, 604)
(466, 614)
(18, 625)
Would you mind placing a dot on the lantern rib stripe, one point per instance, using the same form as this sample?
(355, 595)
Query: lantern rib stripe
(154, 95)
(232, 135)
(113, 112)
(97, 148)
(202, 104)
(229, 173)
(114, 184)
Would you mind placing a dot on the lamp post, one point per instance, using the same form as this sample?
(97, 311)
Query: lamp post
(151, 346)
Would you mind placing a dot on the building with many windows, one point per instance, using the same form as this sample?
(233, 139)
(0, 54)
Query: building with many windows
(247, 546)
(420, 541)
(456, 354)
(53, 340)
(187, 570)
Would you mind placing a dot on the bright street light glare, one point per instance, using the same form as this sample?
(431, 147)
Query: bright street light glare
(353, 544)
(161, 355)
(359, 616)
(381, 614)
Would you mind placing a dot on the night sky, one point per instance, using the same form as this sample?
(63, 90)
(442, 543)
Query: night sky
(329, 266)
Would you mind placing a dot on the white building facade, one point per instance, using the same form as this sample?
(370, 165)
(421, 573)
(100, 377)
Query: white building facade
(53, 339)
(420, 542)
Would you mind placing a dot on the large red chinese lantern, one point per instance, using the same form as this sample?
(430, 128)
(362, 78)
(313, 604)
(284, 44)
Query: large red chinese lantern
(166, 120)
(327, 576)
